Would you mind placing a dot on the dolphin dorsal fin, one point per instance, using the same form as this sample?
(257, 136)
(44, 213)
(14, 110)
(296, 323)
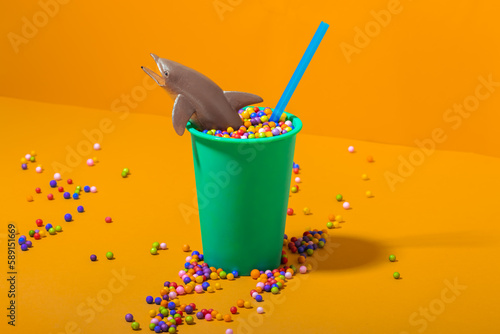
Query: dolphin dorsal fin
(181, 113)
(238, 100)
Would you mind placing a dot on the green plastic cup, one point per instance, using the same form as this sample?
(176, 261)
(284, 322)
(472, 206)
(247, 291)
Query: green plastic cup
(243, 188)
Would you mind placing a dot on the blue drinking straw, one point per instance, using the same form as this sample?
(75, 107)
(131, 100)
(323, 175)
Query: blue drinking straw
(299, 71)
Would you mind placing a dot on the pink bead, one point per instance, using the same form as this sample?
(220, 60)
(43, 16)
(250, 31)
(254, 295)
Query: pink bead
(297, 179)
(108, 220)
(346, 205)
(90, 162)
(93, 189)
(155, 321)
(172, 295)
(208, 317)
(38, 169)
(163, 245)
(182, 273)
(198, 289)
(229, 331)
(260, 284)
(254, 294)
(303, 269)
(180, 290)
(350, 149)
(288, 275)
(188, 258)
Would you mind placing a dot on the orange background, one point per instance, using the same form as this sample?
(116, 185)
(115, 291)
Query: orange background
(395, 90)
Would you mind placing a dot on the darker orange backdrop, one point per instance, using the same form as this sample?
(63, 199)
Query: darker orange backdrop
(386, 71)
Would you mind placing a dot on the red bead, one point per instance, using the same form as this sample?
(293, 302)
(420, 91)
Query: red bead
(108, 219)
(180, 313)
(233, 310)
(50, 197)
(70, 181)
(193, 305)
(204, 311)
(284, 260)
(237, 136)
(289, 211)
(173, 284)
(38, 190)
(61, 189)
(36, 236)
(39, 222)
(293, 239)
(251, 292)
(178, 321)
(296, 186)
(210, 310)
(296, 170)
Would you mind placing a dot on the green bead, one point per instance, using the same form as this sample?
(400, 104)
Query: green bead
(78, 188)
(321, 244)
(31, 233)
(125, 170)
(165, 312)
(177, 315)
(58, 228)
(152, 327)
(310, 252)
(135, 326)
(329, 225)
(392, 258)
(222, 274)
(124, 174)
(154, 251)
(32, 159)
(109, 255)
(171, 330)
(396, 275)
(251, 136)
(275, 290)
(52, 230)
(156, 245)
(280, 285)
(282, 277)
(339, 197)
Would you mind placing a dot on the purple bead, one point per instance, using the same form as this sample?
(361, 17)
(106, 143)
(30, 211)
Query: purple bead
(207, 275)
(28, 243)
(129, 317)
(275, 132)
(164, 327)
(24, 247)
(200, 315)
(188, 309)
(167, 283)
(283, 132)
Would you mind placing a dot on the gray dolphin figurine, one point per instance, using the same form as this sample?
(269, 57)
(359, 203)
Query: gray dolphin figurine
(198, 98)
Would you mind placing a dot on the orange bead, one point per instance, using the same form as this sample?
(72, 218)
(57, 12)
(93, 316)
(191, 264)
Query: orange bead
(186, 248)
(240, 303)
(212, 269)
(163, 292)
(259, 289)
(255, 273)
(219, 270)
(159, 318)
(227, 318)
(247, 124)
(370, 159)
(301, 259)
(188, 288)
(182, 307)
(214, 314)
(164, 303)
(331, 217)
(276, 274)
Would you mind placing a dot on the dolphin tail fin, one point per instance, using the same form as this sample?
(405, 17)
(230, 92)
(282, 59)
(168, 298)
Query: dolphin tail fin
(238, 100)
(181, 113)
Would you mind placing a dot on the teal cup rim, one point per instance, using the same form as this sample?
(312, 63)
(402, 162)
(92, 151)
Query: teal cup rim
(297, 123)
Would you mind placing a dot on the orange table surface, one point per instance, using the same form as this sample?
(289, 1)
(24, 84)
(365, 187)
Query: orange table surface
(441, 223)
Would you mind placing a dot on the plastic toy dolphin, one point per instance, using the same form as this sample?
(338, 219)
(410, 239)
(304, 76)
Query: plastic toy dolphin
(199, 99)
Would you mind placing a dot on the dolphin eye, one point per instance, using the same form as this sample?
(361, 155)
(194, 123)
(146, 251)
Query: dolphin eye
(166, 73)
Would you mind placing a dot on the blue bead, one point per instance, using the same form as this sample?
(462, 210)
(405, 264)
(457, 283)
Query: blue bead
(158, 300)
(261, 113)
(80, 208)
(205, 285)
(205, 131)
(68, 217)
(199, 272)
(173, 312)
(67, 195)
(149, 300)
(258, 298)
(24, 247)
(24, 166)
(235, 273)
(300, 249)
(22, 240)
(157, 329)
(186, 280)
(186, 265)
(171, 306)
(76, 196)
(195, 253)
(86, 189)
(200, 257)
(275, 286)
(252, 115)
(53, 183)
(267, 287)
(48, 226)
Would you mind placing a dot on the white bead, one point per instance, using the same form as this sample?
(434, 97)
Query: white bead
(260, 310)
(350, 149)
(93, 189)
(38, 169)
(346, 205)
(57, 176)
(97, 146)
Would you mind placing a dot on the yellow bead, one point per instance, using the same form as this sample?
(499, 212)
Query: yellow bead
(95, 159)
(23, 160)
(335, 224)
(199, 279)
(226, 136)
(245, 114)
(369, 193)
(218, 316)
(307, 211)
(210, 289)
(364, 177)
(339, 218)
(230, 276)
(177, 301)
(152, 313)
(217, 286)
(214, 276)
(230, 129)
(33, 153)
(247, 304)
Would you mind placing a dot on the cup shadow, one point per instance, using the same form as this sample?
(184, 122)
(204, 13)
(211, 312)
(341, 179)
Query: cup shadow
(348, 252)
